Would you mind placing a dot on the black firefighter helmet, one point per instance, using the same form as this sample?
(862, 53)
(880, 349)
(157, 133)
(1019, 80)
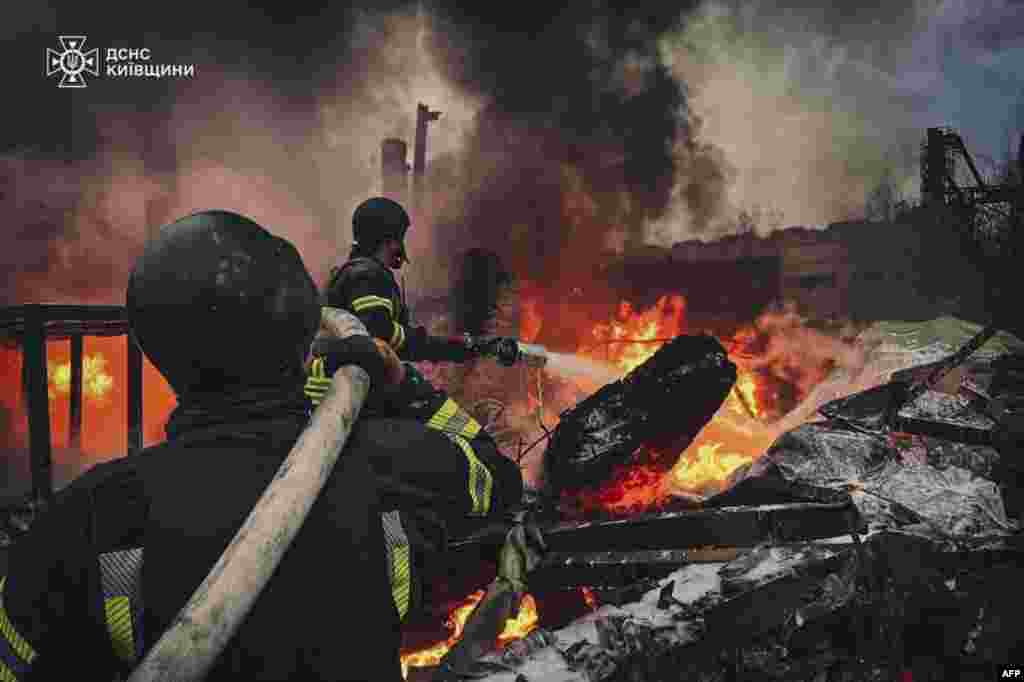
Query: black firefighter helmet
(219, 304)
(379, 219)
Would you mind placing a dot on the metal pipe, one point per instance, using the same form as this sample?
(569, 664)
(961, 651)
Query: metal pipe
(134, 394)
(37, 403)
(75, 402)
(187, 651)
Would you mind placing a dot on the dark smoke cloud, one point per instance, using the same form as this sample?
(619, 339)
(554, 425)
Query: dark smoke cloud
(282, 122)
(584, 132)
(566, 131)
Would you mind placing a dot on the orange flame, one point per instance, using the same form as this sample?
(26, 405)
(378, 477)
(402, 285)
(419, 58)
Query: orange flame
(104, 405)
(96, 382)
(631, 338)
(696, 472)
(627, 341)
(515, 628)
(523, 624)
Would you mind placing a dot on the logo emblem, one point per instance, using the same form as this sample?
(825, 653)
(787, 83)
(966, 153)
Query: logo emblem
(72, 62)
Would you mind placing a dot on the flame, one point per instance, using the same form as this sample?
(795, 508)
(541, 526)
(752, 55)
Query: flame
(523, 624)
(96, 382)
(707, 467)
(744, 396)
(632, 337)
(779, 360)
(589, 598)
(627, 341)
(104, 407)
(515, 628)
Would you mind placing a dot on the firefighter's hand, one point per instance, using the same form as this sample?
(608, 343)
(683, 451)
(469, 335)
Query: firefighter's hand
(523, 550)
(395, 370)
(375, 356)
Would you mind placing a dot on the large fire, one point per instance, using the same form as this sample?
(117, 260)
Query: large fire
(104, 432)
(515, 628)
(734, 438)
(781, 359)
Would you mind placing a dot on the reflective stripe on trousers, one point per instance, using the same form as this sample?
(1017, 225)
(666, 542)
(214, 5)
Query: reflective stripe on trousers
(399, 561)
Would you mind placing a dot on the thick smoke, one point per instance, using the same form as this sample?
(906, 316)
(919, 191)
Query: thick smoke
(583, 137)
(565, 132)
(815, 105)
(802, 105)
(294, 146)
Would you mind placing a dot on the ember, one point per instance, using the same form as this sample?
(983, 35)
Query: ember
(589, 598)
(515, 628)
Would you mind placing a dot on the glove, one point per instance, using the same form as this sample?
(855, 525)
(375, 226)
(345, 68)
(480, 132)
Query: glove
(317, 383)
(393, 367)
(523, 550)
(386, 371)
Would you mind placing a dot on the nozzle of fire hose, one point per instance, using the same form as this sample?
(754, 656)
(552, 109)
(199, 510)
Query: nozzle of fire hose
(532, 355)
(509, 351)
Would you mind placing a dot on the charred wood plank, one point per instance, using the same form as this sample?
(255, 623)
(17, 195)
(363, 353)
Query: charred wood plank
(723, 527)
(720, 527)
(663, 403)
(565, 570)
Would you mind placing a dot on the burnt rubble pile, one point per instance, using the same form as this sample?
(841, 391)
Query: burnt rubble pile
(921, 579)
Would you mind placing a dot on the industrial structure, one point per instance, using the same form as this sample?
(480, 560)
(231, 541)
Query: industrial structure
(840, 271)
(986, 211)
(395, 166)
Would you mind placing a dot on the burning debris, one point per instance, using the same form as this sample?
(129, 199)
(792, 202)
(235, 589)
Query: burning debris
(920, 545)
(662, 404)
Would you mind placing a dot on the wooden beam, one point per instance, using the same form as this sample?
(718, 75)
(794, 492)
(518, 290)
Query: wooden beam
(37, 406)
(75, 402)
(134, 394)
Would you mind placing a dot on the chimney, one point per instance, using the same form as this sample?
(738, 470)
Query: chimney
(394, 169)
(423, 116)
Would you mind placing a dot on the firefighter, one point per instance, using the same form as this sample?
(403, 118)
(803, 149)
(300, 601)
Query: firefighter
(434, 463)
(226, 312)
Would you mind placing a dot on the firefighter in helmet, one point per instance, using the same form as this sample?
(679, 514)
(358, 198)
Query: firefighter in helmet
(434, 462)
(225, 311)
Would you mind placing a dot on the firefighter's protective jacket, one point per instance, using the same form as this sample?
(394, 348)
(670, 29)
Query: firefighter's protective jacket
(431, 476)
(368, 289)
(73, 604)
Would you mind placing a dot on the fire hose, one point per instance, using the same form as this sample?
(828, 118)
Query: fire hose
(507, 351)
(208, 621)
